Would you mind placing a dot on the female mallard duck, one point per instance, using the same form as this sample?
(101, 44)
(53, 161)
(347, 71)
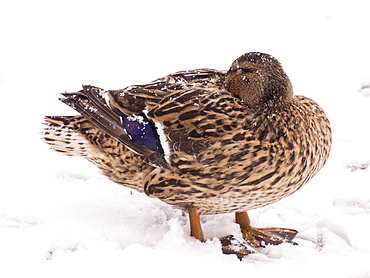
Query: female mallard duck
(203, 141)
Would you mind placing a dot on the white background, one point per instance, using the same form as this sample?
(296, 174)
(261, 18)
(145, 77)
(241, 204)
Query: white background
(60, 218)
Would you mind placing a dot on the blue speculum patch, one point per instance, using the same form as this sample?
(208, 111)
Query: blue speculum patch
(142, 131)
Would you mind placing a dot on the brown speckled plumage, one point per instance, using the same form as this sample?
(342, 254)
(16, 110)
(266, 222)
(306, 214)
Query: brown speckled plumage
(75, 136)
(238, 139)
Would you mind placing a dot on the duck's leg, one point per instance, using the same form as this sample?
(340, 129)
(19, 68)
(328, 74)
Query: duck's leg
(260, 236)
(228, 243)
(255, 237)
(244, 222)
(195, 226)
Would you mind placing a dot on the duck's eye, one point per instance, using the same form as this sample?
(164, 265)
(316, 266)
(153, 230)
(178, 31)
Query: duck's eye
(246, 70)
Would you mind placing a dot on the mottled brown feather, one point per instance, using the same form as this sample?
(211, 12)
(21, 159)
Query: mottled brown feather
(238, 140)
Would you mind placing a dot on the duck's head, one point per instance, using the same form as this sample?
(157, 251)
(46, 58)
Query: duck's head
(259, 80)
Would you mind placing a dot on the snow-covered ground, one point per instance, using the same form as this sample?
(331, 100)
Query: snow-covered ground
(60, 218)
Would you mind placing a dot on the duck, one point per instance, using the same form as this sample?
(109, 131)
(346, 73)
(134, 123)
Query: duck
(204, 141)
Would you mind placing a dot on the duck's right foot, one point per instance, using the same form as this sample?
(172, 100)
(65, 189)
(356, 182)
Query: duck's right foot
(230, 245)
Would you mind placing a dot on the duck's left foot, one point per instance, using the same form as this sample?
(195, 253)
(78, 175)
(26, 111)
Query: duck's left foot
(274, 236)
(258, 237)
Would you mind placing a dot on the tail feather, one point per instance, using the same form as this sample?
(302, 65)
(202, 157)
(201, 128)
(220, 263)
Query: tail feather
(75, 136)
(62, 135)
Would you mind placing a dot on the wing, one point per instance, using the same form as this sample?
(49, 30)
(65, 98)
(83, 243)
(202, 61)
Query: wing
(191, 107)
(176, 102)
(137, 98)
(90, 103)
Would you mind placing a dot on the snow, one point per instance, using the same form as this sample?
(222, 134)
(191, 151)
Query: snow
(59, 217)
